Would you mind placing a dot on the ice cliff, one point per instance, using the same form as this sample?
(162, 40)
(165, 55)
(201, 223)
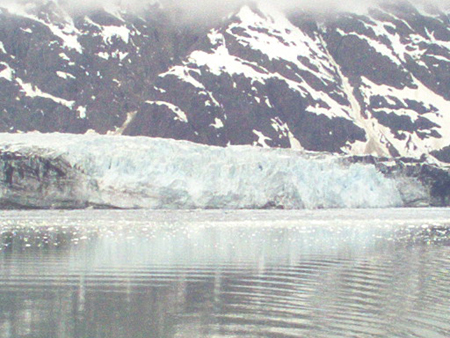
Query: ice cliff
(75, 171)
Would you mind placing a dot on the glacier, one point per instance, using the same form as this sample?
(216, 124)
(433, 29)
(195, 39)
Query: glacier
(76, 171)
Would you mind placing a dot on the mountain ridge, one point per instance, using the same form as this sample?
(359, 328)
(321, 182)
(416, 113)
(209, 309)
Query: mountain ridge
(349, 83)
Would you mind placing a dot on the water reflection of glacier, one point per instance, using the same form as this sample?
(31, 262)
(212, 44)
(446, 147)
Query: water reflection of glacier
(339, 273)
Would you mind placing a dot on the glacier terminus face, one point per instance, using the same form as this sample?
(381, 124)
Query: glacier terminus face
(62, 170)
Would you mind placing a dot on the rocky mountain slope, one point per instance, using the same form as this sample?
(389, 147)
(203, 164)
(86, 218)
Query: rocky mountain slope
(376, 83)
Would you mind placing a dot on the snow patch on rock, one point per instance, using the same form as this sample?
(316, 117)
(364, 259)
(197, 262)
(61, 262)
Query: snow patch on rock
(33, 91)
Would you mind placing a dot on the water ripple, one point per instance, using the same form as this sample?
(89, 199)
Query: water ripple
(386, 279)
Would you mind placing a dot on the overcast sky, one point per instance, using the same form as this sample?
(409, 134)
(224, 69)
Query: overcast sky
(204, 8)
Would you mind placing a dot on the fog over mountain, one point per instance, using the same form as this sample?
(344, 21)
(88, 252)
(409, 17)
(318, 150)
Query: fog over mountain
(216, 8)
(268, 73)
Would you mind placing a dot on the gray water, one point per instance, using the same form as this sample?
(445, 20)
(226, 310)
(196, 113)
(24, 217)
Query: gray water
(325, 273)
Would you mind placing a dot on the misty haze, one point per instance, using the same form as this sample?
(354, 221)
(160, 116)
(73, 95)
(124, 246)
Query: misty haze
(224, 169)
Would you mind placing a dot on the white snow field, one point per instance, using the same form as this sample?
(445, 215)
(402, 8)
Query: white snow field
(142, 172)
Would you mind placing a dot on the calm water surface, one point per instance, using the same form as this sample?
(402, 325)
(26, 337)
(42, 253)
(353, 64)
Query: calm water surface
(338, 273)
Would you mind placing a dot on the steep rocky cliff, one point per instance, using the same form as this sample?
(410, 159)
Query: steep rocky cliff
(374, 83)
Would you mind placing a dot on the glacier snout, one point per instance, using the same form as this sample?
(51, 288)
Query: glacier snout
(141, 172)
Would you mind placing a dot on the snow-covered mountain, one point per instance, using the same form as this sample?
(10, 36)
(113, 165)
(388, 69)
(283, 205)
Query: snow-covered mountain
(374, 83)
(71, 73)
(76, 171)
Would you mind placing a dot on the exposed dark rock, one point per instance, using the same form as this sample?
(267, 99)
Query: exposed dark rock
(436, 179)
(32, 181)
(258, 77)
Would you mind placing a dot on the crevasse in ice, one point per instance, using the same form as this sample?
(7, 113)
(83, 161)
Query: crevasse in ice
(160, 173)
